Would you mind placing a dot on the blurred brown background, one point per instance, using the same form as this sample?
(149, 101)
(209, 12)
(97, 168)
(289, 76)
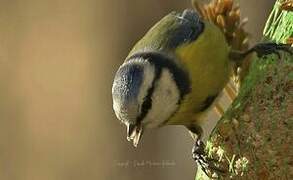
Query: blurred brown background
(57, 62)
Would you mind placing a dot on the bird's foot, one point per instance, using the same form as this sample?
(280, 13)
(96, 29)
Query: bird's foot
(263, 49)
(209, 166)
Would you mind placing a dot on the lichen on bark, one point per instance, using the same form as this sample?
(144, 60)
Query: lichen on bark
(253, 139)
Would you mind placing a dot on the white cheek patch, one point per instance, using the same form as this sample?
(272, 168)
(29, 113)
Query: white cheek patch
(149, 75)
(164, 100)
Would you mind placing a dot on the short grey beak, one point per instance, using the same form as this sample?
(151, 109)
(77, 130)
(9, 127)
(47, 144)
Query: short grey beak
(134, 133)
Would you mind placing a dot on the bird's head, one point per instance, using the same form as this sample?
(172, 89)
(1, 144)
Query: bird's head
(146, 92)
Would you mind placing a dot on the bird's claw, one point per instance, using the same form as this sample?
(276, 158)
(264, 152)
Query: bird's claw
(207, 164)
(263, 49)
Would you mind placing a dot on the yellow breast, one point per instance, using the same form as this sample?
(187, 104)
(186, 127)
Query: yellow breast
(206, 60)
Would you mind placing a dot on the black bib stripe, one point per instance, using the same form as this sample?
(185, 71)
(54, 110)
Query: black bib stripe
(208, 102)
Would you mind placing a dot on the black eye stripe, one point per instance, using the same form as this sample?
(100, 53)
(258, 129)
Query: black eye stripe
(147, 101)
(161, 61)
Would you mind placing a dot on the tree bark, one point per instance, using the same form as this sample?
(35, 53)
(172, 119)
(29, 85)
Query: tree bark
(253, 140)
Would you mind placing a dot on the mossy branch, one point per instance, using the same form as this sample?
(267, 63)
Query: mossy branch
(254, 137)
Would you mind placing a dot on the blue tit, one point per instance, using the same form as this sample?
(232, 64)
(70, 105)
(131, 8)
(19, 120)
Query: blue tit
(172, 75)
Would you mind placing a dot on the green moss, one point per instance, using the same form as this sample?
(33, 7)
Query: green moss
(263, 90)
(279, 25)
